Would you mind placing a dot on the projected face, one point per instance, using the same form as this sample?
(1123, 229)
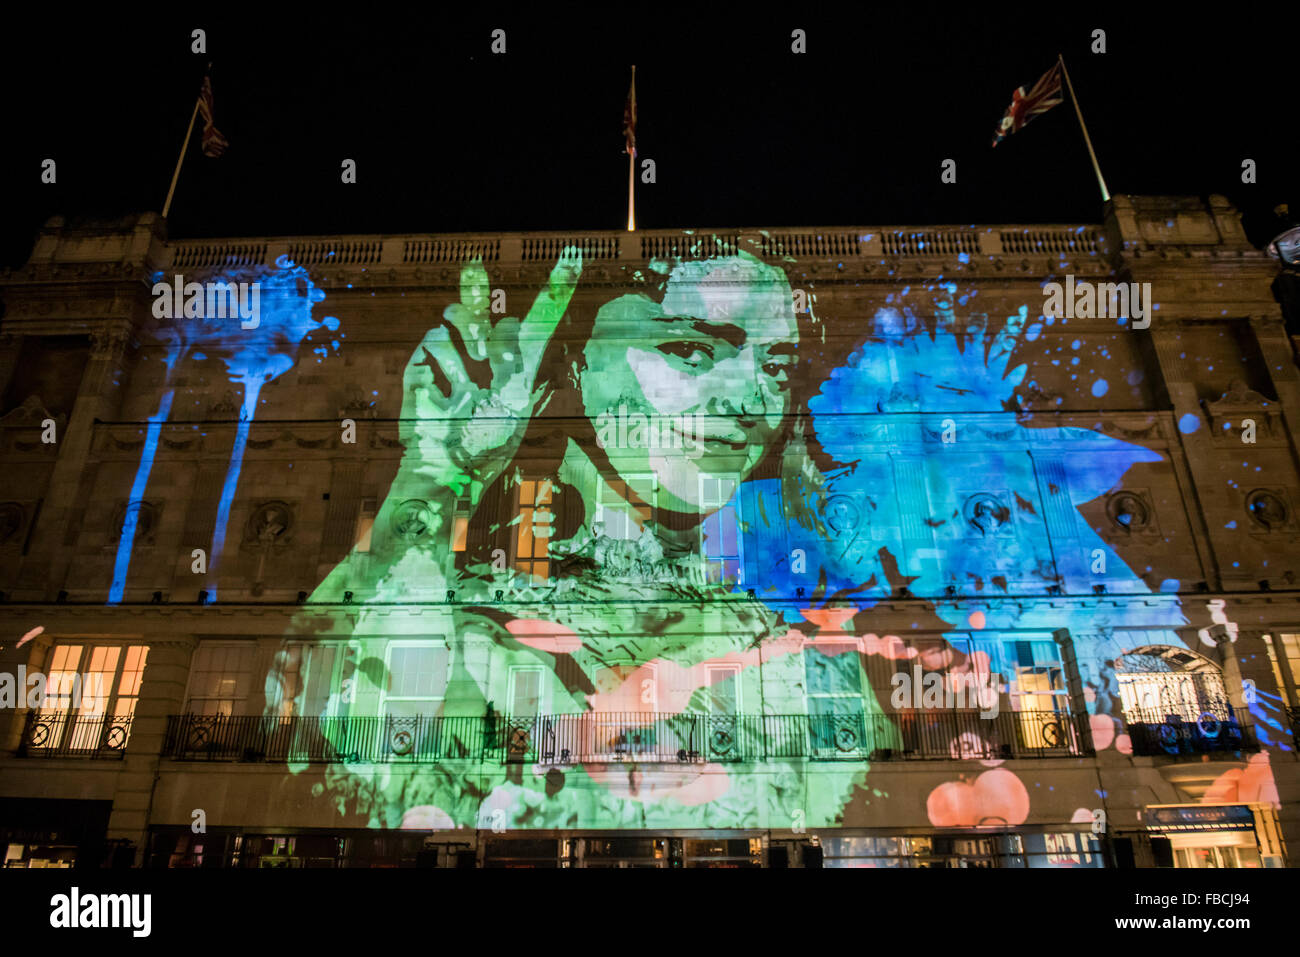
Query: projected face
(696, 385)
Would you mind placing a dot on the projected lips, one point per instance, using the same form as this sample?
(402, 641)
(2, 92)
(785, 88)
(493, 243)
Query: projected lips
(995, 797)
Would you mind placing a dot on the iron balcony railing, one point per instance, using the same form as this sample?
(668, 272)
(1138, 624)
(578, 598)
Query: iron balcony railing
(1217, 728)
(637, 737)
(75, 735)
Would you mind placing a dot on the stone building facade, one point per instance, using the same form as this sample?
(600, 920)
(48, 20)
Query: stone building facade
(710, 547)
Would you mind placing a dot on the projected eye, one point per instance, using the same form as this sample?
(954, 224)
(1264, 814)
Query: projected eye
(780, 371)
(693, 354)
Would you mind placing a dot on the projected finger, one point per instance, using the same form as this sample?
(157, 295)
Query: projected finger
(550, 305)
(436, 366)
(474, 329)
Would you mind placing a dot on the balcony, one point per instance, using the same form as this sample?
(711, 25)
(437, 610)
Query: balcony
(1217, 730)
(74, 736)
(641, 738)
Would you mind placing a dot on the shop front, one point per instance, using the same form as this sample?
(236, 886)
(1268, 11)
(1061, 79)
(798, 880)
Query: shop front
(1214, 836)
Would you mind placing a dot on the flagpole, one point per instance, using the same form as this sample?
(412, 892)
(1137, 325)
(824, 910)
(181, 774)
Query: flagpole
(631, 178)
(179, 160)
(631, 164)
(1105, 193)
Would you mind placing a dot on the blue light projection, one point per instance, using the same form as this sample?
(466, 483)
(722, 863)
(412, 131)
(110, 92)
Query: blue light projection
(252, 357)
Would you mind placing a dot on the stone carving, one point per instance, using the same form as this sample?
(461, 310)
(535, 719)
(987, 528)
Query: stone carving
(145, 515)
(358, 405)
(269, 524)
(412, 520)
(1128, 512)
(1267, 509)
(228, 404)
(985, 513)
(12, 519)
(32, 412)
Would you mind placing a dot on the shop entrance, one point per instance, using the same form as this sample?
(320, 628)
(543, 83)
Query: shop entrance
(631, 852)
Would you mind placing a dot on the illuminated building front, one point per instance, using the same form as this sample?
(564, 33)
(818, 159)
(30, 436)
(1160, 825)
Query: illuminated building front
(791, 547)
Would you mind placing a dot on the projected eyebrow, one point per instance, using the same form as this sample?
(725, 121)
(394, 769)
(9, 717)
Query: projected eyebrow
(731, 334)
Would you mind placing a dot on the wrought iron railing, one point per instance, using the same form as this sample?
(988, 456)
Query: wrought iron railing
(1219, 728)
(74, 735)
(635, 737)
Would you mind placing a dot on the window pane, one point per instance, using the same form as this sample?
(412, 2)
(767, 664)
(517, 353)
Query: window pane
(830, 672)
(723, 693)
(419, 672)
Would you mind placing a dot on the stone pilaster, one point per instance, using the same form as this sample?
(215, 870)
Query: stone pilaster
(1074, 684)
(31, 656)
(1193, 433)
(162, 694)
(10, 348)
(1275, 346)
(98, 398)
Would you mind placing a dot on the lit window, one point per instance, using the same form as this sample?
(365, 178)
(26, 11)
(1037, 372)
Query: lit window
(91, 693)
(1037, 691)
(1039, 677)
(720, 532)
(365, 525)
(460, 524)
(533, 536)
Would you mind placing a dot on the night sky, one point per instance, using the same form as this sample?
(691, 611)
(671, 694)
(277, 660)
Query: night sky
(449, 137)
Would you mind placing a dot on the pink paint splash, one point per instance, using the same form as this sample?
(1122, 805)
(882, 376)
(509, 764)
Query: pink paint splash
(995, 797)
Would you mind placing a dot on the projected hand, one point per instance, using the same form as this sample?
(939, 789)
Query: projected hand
(471, 385)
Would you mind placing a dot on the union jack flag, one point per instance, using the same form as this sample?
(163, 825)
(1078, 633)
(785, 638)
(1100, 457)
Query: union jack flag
(629, 116)
(1044, 95)
(214, 144)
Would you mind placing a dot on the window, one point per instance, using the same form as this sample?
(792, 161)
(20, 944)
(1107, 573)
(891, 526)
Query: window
(1151, 697)
(460, 524)
(525, 692)
(365, 525)
(621, 512)
(417, 680)
(91, 694)
(835, 697)
(722, 696)
(221, 679)
(1288, 646)
(534, 528)
(1037, 691)
(720, 533)
(1039, 678)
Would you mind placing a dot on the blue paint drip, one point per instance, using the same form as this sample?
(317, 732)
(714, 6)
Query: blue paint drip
(122, 564)
(252, 357)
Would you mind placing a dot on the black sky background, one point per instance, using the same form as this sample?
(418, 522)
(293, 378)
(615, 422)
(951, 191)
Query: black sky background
(450, 138)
